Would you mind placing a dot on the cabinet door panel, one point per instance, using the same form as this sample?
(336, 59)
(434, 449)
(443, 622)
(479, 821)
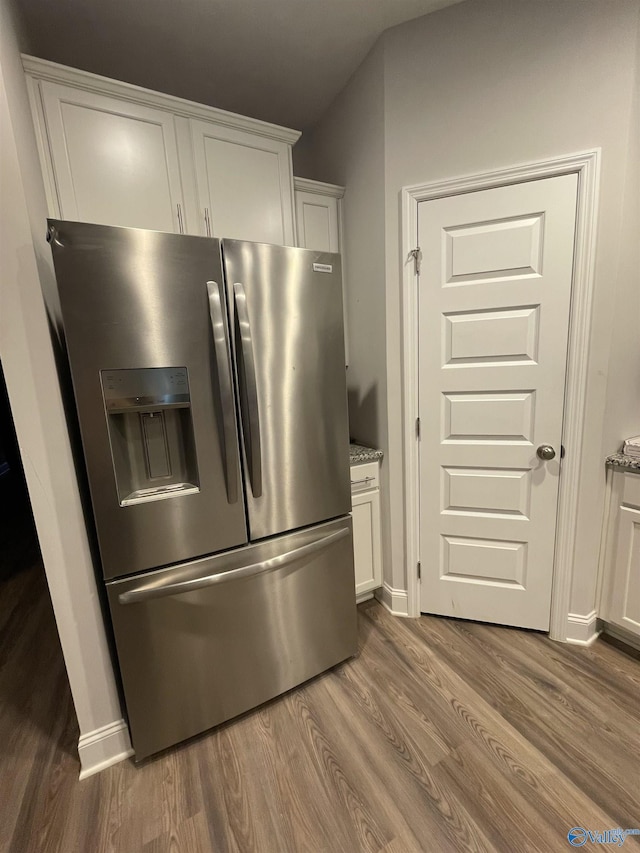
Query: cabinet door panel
(625, 598)
(366, 540)
(244, 185)
(317, 219)
(115, 163)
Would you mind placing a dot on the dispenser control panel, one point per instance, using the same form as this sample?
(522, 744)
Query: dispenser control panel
(145, 388)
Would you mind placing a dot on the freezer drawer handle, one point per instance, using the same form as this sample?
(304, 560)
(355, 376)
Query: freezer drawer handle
(253, 450)
(223, 362)
(144, 593)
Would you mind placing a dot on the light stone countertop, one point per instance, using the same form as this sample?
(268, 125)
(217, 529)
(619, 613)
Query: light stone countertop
(360, 453)
(619, 460)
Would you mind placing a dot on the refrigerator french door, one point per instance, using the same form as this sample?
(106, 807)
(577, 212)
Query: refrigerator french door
(210, 387)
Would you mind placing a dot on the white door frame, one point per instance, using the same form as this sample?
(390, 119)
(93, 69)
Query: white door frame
(587, 166)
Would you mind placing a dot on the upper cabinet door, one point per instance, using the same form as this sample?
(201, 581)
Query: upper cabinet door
(318, 215)
(114, 162)
(244, 184)
(317, 221)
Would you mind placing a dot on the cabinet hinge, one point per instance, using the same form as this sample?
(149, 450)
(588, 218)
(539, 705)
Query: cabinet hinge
(419, 570)
(416, 255)
(418, 428)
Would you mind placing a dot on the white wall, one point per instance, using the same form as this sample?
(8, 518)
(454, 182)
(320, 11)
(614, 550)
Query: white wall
(489, 84)
(29, 364)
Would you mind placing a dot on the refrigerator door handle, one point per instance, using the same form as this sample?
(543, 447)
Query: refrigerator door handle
(167, 587)
(252, 440)
(223, 362)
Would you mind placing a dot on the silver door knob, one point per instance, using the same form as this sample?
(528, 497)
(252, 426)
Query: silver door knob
(545, 451)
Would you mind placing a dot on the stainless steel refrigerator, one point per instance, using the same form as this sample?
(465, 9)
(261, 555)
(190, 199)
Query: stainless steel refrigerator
(210, 387)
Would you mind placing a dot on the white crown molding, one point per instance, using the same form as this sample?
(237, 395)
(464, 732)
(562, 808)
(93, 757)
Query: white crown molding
(42, 69)
(306, 185)
(104, 747)
(587, 166)
(395, 600)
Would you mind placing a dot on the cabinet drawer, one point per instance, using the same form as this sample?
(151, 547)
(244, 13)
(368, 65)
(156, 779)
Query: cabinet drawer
(364, 476)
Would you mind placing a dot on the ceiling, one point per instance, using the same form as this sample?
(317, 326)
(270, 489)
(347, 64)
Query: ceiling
(282, 61)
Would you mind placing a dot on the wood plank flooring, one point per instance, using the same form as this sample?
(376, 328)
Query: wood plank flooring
(441, 735)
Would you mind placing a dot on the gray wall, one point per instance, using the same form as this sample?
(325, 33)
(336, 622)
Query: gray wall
(349, 147)
(27, 352)
(623, 391)
(489, 84)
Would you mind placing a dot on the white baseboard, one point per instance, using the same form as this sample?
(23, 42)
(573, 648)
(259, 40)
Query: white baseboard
(622, 635)
(103, 747)
(395, 600)
(582, 630)
(363, 596)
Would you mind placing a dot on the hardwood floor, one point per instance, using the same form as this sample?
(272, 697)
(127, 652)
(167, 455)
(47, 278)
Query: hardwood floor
(440, 736)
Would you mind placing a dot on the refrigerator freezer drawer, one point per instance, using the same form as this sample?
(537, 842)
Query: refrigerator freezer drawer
(207, 640)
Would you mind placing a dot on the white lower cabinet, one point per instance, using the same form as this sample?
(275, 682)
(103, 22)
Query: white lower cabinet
(620, 600)
(367, 544)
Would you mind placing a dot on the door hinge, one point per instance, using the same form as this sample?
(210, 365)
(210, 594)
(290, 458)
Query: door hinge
(419, 570)
(418, 428)
(416, 255)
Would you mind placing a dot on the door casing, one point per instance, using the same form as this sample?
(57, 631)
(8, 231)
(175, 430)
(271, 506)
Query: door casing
(587, 166)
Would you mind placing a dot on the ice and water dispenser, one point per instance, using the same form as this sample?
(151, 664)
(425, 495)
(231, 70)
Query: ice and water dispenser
(151, 432)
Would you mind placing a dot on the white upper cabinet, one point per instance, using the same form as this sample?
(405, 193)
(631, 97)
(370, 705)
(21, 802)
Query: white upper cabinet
(318, 215)
(116, 154)
(113, 162)
(244, 184)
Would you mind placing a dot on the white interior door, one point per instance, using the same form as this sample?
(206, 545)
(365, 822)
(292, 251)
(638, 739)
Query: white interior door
(494, 298)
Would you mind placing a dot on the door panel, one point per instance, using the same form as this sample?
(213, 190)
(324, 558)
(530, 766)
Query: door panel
(289, 344)
(626, 592)
(135, 302)
(317, 220)
(244, 184)
(115, 163)
(194, 658)
(495, 289)
(367, 550)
